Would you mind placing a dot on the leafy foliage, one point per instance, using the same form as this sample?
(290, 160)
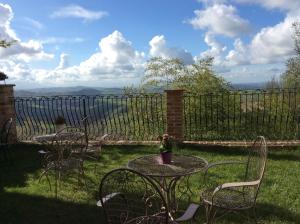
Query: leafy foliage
(273, 84)
(166, 143)
(162, 72)
(6, 44)
(291, 77)
(173, 73)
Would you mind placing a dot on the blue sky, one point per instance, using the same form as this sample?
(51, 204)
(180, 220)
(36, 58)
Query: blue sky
(107, 42)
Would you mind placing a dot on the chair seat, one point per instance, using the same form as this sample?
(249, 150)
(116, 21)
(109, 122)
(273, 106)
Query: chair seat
(65, 164)
(189, 213)
(43, 152)
(229, 199)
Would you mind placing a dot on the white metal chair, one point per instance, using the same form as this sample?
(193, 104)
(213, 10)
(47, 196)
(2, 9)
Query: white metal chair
(237, 196)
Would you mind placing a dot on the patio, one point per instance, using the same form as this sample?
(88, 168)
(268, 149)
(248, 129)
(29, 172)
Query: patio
(25, 200)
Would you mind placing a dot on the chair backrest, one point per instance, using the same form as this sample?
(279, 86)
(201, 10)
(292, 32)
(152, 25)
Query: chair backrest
(256, 162)
(127, 195)
(70, 140)
(5, 131)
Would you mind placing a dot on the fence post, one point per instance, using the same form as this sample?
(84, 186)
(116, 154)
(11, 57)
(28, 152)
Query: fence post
(175, 113)
(7, 110)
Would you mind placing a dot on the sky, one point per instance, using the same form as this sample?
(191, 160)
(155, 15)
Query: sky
(106, 43)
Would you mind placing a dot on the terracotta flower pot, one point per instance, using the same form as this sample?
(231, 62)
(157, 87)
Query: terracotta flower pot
(166, 157)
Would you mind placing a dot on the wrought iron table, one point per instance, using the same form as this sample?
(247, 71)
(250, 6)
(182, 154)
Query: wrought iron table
(167, 176)
(54, 157)
(54, 136)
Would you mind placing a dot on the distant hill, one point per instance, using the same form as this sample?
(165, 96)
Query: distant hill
(91, 91)
(74, 91)
(249, 86)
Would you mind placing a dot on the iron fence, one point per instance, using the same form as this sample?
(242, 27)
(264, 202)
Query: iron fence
(238, 115)
(124, 117)
(230, 115)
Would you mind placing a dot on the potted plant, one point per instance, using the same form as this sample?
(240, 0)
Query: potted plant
(60, 123)
(165, 148)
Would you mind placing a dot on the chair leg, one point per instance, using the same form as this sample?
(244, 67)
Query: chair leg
(45, 173)
(57, 182)
(7, 156)
(210, 214)
(248, 216)
(207, 208)
(254, 214)
(82, 174)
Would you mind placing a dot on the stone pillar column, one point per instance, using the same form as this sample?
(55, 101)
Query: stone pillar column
(175, 113)
(7, 109)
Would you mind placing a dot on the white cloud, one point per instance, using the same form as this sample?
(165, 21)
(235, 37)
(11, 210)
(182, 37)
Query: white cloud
(253, 73)
(61, 40)
(220, 19)
(115, 60)
(34, 23)
(6, 16)
(16, 70)
(269, 45)
(216, 49)
(31, 50)
(239, 55)
(64, 61)
(158, 48)
(272, 44)
(212, 2)
(26, 51)
(76, 11)
(289, 5)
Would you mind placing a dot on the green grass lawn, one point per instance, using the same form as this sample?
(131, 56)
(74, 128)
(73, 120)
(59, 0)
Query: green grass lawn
(24, 200)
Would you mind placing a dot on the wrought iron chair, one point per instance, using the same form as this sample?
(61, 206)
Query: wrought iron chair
(130, 197)
(238, 196)
(94, 148)
(65, 155)
(4, 135)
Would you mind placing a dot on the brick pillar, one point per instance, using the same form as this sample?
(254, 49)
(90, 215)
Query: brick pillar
(175, 113)
(7, 109)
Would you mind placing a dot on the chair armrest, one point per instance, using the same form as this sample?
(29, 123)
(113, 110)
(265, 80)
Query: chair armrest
(100, 141)
(84, 119)
(229, 162)
(103, 137)
(211, 165)
(107, 198)
(235, 184)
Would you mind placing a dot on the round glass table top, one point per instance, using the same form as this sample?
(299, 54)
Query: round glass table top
(181, 165)
(58, 136)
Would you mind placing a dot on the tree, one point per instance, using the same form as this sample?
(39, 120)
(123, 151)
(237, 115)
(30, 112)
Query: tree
(172, 73)
(200, 78)
(6, 44)
(161, 72)
(291, 77)
(274, 83)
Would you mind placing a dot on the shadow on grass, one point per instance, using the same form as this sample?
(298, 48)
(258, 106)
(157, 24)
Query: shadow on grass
(25, 160)
(21, 208)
